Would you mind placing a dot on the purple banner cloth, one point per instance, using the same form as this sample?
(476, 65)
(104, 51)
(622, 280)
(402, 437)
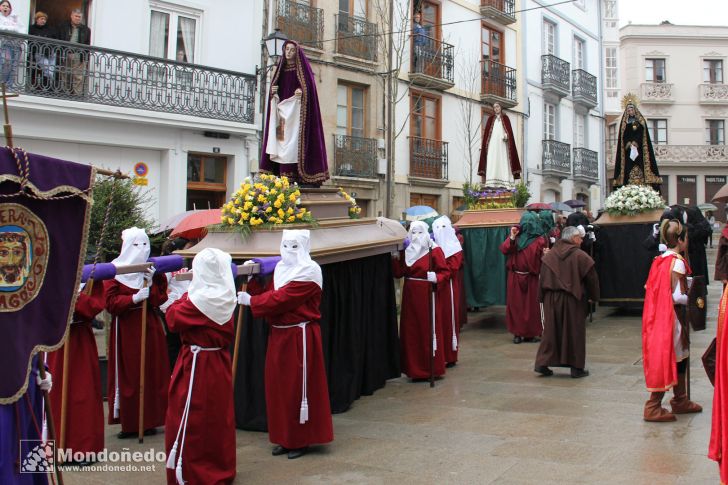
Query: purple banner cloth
(167, 264)
(43, 242)
(234, 268)
(267, 264)
(103, 271)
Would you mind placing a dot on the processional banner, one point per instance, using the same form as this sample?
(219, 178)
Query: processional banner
(45, 207)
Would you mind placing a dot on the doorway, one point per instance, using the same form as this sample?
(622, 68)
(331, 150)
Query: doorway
(59, 11)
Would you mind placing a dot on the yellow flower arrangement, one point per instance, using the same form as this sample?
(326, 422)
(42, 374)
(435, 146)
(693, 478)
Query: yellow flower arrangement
(354, 210)
(267, 199)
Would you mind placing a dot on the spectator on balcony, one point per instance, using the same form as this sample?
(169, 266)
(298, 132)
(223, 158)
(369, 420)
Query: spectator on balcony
(294, 135)
(635, 160)
(75, 60)
(419, 40)
(499, 163)
(10, 46)
(42, 55)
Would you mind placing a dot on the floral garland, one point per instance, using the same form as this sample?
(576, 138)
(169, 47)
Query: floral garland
(633, 199)
(267, 199)
(478, 197)
(354, 210)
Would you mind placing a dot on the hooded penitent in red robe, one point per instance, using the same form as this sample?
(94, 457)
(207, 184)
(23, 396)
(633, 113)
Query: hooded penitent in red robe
(452, 317)
(84, 430)
(658, 325)
(719, 431)
(125, 340)
(209, 444)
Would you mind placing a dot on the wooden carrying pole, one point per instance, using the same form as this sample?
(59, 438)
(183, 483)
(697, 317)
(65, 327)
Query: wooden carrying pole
(47, 405)
(142, 365)
(238, 331)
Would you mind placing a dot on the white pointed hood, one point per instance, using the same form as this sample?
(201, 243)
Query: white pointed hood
(445, 236)
(296, 263)
(134, 250)
(420, 243)
(212, 290)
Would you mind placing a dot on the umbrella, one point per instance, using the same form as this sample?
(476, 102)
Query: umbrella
(172, 222)
(419, 213)
(573, 203)
(707, 207)
(193, 226)
(721, 195)
(561, 206)
(537, 206)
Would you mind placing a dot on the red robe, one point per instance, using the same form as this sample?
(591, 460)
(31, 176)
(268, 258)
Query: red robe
(719, 430)
(523, 312)
(658, 325)
(128, 316)
(295, 302)
(85, 406)
(451, 316)
(414, 321)
(209, 446)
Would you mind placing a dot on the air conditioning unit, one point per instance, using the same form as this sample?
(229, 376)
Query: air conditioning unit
(382, 166)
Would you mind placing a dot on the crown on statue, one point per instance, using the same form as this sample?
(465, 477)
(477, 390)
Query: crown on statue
(630, 98)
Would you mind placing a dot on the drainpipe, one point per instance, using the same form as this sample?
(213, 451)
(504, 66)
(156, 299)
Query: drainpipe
(602, 168)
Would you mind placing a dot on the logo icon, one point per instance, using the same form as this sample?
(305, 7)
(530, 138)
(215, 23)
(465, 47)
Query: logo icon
(23, 256)
(141, 169)
(37, 456)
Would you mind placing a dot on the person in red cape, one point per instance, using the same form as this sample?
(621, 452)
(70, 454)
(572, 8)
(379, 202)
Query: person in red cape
(422, 264)
(84, 430)
(719, 429)
(125, 296)
(199, 433)
(445, 237)
(296, 391)
(499, 164)
(523, 249)
(664, 340)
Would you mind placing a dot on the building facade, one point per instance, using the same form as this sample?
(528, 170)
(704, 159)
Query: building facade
(562, 71)
(677, 72)
(163, 95)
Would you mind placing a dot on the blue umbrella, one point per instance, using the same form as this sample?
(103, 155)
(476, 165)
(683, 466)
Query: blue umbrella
(419, 213)
(561, 207)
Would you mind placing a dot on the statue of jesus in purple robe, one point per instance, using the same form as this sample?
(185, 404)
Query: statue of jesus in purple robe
(293, 140)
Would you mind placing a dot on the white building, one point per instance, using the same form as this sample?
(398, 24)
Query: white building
(677, 72)
(562, 71)
(192, 122)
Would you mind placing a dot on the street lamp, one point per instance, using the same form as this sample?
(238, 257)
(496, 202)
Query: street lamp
(274, 44)
(273, 48)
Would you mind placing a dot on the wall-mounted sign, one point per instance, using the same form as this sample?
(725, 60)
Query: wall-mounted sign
(141, 170)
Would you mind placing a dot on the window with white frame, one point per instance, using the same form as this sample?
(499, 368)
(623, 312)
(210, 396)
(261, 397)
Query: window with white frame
(610, 9)
(655, 70)
(658, 131)
(714, 132)
(549, 37)
(173, 32)
(549, 121)
(578, 53)
(579, 130)
(713, 71)
(612, 135)
(610, 55)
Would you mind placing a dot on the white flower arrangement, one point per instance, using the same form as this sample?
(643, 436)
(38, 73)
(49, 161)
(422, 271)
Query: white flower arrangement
(633, 199)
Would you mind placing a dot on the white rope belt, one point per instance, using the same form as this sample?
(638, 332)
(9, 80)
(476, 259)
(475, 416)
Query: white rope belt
(116, 369)
(452, 314)
(303, 414)
(417, 279)
(196, 349)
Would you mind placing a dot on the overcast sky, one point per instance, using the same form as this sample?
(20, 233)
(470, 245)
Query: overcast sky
(684, 12)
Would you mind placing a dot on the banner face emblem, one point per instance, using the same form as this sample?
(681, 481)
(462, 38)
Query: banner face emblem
(23, 256)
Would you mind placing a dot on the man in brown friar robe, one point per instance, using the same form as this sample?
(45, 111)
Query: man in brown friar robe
(568, 279)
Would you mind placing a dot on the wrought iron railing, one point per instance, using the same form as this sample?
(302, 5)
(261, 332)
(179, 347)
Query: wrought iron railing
(586, 164)
(432, 57)
(355, 156)
(55, 69)
(428, 158)
(301, 23)
(356, 37)
(584, 86)
(508, 7)
(556, 157)
(555, 73)
(498, 80)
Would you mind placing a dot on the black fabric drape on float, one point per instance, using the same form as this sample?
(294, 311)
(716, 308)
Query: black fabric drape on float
(359, 333)
(623, 263)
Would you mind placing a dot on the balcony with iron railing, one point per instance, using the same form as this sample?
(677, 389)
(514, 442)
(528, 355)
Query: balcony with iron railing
(657, 93)
(584, 88)
(355, 157)
(301, 22)
(556, 158)
(555, 74)
(501, 11)
(38, 66)
(498, 84)
(356, 37)
(432, 63)
(586, 165)
(713, 93)
(428, 158)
